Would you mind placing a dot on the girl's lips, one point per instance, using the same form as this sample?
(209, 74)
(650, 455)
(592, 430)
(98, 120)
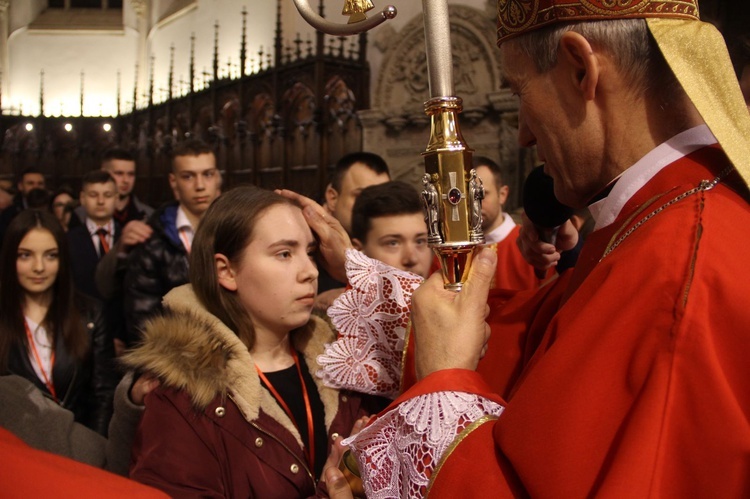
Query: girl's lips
(307, 299)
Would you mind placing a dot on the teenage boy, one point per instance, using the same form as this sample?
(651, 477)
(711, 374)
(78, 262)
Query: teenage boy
(388, 225)
(98, 232)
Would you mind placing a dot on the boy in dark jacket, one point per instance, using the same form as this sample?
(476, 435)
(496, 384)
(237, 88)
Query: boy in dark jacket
(161, 263)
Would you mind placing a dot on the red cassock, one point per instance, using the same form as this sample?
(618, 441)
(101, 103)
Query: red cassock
(629, 376)
(513, 272)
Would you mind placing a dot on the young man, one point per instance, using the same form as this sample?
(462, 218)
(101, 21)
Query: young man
(161, 263)
(98, 232)
(388, 225)
(121, 165)
(352, 173)
(628, 376)
(30, 179)
(500, 231)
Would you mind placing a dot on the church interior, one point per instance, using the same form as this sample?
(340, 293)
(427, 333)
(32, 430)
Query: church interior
(278, 101)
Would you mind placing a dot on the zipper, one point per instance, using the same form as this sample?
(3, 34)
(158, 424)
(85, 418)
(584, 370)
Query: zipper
(290, 451)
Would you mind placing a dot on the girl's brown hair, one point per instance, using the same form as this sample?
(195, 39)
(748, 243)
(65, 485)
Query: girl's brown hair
(227, 228)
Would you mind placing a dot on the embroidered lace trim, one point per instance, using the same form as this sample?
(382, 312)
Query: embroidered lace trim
(371, 319)
(398, 452)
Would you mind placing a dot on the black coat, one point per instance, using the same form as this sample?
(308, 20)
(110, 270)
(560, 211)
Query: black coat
(153, 269)
(86, 387)
(84, 258)
(9, 213)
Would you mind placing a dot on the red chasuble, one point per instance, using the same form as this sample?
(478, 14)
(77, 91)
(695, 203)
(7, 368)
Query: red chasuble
(630, 377)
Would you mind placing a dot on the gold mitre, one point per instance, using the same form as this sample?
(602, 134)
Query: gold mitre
(694, 50)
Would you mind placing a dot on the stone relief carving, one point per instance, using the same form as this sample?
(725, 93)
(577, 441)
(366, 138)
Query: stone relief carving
(402, 84)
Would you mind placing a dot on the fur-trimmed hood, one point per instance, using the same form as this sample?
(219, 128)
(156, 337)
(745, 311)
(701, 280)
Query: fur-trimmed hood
(187, 348)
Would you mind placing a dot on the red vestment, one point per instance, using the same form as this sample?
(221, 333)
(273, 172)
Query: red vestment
(513, 272)
(628, 377)
(28, 472)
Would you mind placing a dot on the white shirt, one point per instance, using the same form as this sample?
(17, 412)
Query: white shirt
(184, 229)
(43, 348)
(501, 231)
(606, 210)
(94, 229)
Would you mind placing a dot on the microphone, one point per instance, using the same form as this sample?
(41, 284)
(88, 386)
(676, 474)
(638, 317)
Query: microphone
(542, 207)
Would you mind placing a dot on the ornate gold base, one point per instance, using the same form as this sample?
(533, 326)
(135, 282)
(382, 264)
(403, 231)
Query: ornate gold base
(455, 261)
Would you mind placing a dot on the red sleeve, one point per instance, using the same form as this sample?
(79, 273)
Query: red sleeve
(478, 457)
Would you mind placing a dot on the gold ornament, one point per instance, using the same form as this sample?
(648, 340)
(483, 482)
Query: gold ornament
(356, 9)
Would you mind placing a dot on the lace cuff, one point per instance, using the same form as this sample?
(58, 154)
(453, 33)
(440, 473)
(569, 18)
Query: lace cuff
(372, 319)
(399, 452)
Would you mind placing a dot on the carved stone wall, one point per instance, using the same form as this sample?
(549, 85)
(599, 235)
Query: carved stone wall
(396, 126)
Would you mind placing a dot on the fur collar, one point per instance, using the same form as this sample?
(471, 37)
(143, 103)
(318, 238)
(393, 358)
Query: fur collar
(190, 349)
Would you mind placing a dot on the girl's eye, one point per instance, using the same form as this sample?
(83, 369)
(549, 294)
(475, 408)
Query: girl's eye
(284, 254)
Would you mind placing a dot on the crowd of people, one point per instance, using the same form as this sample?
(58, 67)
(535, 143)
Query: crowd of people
(236, 344)
(98, 285)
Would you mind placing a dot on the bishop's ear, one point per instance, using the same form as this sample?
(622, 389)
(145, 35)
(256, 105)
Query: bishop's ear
(579, 56)
(224, 272)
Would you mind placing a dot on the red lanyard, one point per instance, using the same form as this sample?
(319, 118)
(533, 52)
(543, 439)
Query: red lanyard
(47, 380)
(310, 449)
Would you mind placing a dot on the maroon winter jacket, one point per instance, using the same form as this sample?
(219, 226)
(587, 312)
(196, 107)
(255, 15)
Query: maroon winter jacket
(211, 429)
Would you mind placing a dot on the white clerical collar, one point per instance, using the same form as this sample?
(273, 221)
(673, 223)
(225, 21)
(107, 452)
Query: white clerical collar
(606, 210)
(501, 231)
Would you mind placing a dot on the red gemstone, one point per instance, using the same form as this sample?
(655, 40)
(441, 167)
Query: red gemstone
(454, 196)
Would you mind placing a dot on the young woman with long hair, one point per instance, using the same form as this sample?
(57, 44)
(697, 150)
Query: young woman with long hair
(49, 334)
(240, 412)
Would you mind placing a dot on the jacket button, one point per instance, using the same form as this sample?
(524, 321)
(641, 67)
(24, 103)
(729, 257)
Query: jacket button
(220, 411)
(90, 325)
(259, 442)
(294, 469)
(334, 436)
(344, 398)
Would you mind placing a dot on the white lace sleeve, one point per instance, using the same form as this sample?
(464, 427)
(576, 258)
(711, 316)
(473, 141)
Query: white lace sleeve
(371, 319)
(398, 453)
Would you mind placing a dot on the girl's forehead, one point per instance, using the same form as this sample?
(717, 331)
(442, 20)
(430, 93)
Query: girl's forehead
(281, 218)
